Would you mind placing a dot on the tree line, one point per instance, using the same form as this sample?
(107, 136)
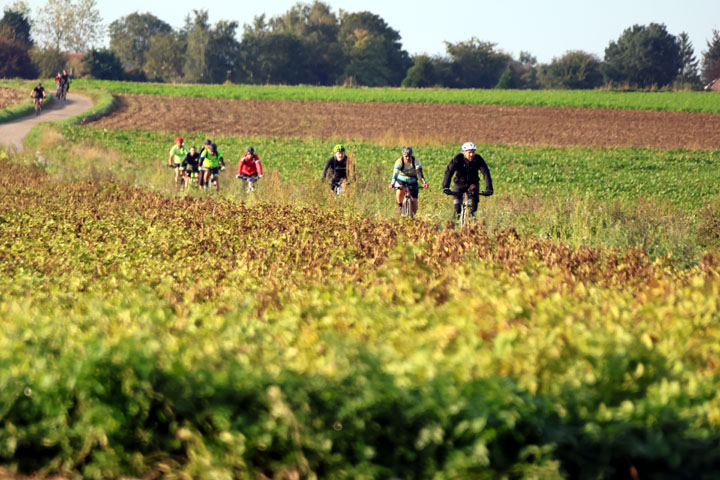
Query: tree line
(311, 44)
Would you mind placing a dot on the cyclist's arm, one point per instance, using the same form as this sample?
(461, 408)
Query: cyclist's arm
(449, 172)
(486, 176)
(327, 167)
(396, 172)
(258, 165)
(421, 177)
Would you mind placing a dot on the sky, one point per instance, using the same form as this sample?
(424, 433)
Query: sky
(544, 28)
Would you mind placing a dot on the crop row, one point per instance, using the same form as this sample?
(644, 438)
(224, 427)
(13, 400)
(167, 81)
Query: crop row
(154, 335)
(659, 101)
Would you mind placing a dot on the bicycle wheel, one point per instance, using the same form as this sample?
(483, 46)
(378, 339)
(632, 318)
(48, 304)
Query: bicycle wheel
(464, 212)
(407, 205)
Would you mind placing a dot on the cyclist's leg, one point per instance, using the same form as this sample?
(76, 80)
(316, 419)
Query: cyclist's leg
(414, 192)
(458, 200)
(399, 195)
(205, 177)
(475, 198)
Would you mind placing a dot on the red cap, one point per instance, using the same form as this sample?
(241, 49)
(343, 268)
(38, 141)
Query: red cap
(179, 139)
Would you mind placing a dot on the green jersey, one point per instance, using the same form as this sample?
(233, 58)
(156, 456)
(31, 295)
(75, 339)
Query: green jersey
(178, 153)
(210, 160)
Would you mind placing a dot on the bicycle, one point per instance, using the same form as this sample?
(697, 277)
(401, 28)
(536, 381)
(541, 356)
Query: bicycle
(406, 208)
(250, 179)
(190, 179)
(38, 105)
(61, 92)
(465, 218)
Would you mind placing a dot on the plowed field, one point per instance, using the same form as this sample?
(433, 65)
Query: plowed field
(12, 96)
(418, 123)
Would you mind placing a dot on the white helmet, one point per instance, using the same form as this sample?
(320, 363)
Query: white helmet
(468, 146)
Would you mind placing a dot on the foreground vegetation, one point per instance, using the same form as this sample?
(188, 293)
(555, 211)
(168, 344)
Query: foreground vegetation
(150, 335)
(662, 101)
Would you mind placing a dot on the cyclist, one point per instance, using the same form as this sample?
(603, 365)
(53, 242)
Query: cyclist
(191, 165)
(57, 83)
(38, 94)
(205, 146)
(212, 159)
(177, 153)
(249, 166)
(65, 80)
(407, 171)
(466, 167)
(338, 164)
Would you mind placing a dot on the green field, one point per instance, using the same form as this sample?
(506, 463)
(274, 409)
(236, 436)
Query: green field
(659, 200)
(661, 101)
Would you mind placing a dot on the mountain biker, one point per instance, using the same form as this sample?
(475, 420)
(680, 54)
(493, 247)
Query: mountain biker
(338, 164)
(407, 171)
(191, 165)
(212, 159)
(205, 146)
(65, 79)
(466, 167)
(177, 153)
(38, 94)
(249, 166)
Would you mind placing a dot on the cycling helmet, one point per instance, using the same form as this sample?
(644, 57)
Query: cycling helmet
(179, 139)
(407, 151)
(213, 147)
(468, 146)
(208, 142)
(338, 148)
(250, 150)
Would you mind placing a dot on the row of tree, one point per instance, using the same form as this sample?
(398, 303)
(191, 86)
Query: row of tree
(311, 44)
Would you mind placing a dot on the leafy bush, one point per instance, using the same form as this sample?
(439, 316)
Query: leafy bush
(103, 64)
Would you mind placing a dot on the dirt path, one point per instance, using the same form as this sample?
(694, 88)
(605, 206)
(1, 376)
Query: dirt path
(12, 133)
(419, 123)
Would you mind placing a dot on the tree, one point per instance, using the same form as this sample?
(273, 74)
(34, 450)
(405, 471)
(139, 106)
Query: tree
(16, 27)
(197, 30)
(372, 50)
(574, 70)
(49, 61)
(644, 56)
(223, 52)
(130, 36)
(476, 64)
(103, 64)
(165, 58)
(421, 74)
(69, 25)
(316, 27)
(689, 64)
(14, 60)
(711, 59)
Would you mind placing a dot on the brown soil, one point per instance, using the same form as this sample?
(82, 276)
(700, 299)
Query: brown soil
(418, 123)
(11, 96)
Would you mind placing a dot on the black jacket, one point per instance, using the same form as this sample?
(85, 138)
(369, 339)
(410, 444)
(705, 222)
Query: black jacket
(467, 173)
(339, 168)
